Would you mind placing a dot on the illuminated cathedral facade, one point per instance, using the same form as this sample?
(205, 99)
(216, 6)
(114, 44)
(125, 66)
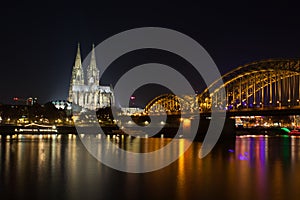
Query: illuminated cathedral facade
(86, 91)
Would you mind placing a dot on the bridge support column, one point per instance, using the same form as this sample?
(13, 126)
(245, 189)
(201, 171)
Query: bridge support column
(228, 132)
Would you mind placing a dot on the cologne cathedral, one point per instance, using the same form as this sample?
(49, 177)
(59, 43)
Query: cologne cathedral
(86, 91)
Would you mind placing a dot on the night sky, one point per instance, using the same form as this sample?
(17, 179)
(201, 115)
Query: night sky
(38, 42)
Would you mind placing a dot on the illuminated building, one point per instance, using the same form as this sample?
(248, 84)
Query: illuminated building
(86, 91)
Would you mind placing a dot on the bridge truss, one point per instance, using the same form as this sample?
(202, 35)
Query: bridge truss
(262, 84)
(267, 83)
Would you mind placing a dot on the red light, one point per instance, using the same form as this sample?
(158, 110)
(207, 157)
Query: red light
(132, 97)
(16, 99)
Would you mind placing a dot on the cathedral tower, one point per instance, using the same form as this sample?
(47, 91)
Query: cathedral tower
(86, 91)
(77, 78)
(92, 70)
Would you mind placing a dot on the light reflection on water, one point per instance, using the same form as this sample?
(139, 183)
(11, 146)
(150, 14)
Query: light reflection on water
(60, 168)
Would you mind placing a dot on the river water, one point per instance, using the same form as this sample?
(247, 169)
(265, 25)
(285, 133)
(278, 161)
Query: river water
(251, 167)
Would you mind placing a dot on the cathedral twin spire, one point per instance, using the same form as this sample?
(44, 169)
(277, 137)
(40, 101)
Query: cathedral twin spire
(92, 70)
(78, 78)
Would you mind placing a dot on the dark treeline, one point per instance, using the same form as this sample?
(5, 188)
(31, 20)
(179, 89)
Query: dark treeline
(32, 113)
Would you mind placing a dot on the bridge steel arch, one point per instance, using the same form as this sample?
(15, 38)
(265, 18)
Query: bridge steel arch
(266, 83)
(172, 103)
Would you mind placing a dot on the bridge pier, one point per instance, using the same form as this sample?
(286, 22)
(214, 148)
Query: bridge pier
(228, 131)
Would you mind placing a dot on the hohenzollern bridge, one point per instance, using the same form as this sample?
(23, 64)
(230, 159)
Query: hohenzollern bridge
(264, 86)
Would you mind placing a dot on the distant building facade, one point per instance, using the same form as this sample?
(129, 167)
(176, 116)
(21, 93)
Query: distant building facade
(86, 91)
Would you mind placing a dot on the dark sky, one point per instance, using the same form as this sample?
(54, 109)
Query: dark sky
(38, 42)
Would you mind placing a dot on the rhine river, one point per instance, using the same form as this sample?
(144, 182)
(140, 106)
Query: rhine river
(252, 167)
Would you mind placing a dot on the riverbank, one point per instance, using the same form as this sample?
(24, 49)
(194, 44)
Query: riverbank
(272, 131)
